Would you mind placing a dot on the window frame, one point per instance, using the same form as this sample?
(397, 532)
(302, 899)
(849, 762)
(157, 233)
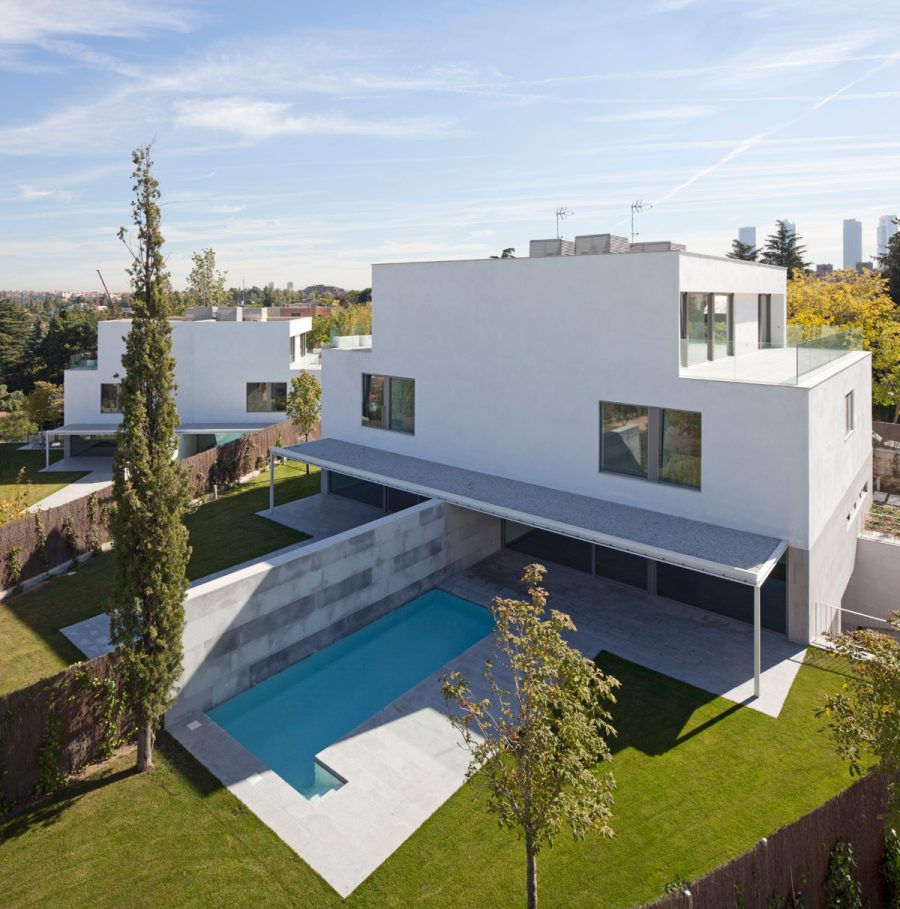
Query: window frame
(387, 382)
(764, 305)
(654, 447)
(118, 387)
(269, 397)
(709, 322)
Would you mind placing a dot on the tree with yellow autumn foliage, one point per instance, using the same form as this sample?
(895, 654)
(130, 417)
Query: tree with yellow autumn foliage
(862, 299)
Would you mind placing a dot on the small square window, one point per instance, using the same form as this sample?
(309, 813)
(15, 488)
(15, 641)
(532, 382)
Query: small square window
(849, 416)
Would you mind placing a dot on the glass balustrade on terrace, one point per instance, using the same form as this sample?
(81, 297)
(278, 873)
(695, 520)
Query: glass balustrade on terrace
(808, 348)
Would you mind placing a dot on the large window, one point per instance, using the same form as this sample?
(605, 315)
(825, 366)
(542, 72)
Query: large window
(109, 397)
(679, 447)
(651, 443)
(706, 327)
(625, 438)
(266, 397)
(389, 402)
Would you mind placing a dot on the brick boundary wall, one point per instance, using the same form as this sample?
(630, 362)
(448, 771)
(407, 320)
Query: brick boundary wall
(751, 880)
(22, 532)
(28, 727)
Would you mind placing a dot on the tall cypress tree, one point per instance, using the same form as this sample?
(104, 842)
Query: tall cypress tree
(149, 488)
(890, 266)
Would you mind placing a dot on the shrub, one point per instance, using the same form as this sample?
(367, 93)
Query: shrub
(41, 536)
(14, 569)
(842, 890)
(71, 538)
(891, 868)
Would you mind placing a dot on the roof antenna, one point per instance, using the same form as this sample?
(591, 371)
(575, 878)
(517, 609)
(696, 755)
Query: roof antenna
(636, 208)
(561, 214)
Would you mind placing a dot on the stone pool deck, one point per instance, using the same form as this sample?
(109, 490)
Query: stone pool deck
(400, 765)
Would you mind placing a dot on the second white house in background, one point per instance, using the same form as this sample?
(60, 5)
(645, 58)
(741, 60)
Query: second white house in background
(233, 369)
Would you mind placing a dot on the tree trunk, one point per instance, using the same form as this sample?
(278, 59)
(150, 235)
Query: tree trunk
(145, 748)
(531, 865)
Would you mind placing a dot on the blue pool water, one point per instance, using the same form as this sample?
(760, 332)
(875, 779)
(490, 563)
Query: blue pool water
(286, 720)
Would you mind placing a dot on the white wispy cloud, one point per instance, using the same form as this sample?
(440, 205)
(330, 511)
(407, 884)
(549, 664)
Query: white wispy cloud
(256, 120)
(672, 112)
(32, 21)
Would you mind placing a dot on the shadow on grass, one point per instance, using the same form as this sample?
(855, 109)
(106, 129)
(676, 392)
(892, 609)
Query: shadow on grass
(44, 812)
(652, 709)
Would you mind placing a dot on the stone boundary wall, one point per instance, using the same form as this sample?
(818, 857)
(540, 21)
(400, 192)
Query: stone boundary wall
(763, 874)
(244, 627)
(874, 587)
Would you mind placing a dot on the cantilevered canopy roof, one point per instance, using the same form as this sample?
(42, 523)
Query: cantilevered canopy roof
(747, 558)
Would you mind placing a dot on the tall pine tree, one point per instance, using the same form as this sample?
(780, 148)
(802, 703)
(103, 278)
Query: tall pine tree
(746, 251)
(784, 248)
(149, 489)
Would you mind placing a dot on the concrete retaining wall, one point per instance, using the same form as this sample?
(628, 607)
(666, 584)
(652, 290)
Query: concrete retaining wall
(252, 623)
(874, 588)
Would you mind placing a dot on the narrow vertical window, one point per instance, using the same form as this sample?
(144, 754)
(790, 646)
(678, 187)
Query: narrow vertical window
(680, 447)
(373, 400)
(109, 397)
(849, 417)
(403, 405)
(765, 320)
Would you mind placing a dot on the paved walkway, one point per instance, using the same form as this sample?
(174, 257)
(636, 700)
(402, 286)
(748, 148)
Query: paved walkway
(322, 516)
(404, 762)
(98, 475)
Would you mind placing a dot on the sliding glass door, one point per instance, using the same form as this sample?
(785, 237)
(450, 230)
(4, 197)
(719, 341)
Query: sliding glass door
(706, 327)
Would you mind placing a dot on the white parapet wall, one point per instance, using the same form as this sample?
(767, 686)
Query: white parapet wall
(249, 624)
(874, 587)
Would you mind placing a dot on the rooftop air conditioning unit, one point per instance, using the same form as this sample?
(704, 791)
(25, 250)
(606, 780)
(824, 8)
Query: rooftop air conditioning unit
(600, 244)
(657, 246)
(539, 249)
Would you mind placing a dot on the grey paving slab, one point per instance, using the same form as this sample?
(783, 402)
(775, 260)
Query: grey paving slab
(323, 516)
(91, 636)
(98, 476)
(701, 648)
(738, 554)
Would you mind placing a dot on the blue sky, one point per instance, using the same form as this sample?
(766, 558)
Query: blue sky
(304, 141)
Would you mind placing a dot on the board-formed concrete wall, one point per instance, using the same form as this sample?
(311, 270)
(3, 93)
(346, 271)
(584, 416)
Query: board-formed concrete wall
(874, 588)
(249, 624)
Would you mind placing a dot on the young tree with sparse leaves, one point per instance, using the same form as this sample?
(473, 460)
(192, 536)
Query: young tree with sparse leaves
(304, 404)
(44, 405)
(784, 248)
(537, 740)
(864, 716)
(206, 284)
(150, 491)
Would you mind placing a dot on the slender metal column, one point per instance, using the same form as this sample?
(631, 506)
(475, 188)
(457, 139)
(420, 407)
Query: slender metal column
(271, 481)
(46, 449)
(757, 640)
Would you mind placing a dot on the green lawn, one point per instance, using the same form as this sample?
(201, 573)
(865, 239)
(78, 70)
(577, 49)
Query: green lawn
(223, 533)
(699, 781)
(42, 484)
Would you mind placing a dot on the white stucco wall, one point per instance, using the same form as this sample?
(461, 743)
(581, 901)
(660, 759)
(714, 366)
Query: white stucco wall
(512, 357)
(214, 361)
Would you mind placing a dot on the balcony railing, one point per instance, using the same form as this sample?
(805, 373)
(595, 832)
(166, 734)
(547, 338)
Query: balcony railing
(808, 348)
(83, 361)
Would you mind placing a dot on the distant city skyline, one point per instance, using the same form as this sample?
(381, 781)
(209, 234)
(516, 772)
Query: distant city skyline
(305, 142)
(853, 243)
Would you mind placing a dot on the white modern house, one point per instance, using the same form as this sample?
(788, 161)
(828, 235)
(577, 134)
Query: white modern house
(233, 369)
(635, 411)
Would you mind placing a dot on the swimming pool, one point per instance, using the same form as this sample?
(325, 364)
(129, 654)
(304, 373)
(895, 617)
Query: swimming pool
(287, 719)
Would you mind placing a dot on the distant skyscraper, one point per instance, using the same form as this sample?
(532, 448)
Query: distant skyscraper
(852, 242)
(747, 235)
(886, 230)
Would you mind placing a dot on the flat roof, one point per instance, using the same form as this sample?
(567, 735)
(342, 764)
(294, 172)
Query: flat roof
(737, 555)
